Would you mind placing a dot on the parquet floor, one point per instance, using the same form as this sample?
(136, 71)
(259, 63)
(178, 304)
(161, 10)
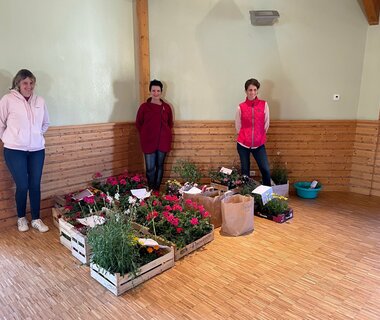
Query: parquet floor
(325, 264)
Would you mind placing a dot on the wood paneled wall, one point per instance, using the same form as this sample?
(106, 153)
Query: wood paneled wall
(319, 150)
(342, 155)
(365, 173)
(73, 155)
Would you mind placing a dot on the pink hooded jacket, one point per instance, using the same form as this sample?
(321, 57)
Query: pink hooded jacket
(23, 123)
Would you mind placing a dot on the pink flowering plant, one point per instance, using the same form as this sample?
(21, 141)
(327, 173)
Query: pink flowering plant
(84, 207)
(179, 221)
(232, 180)
(120, 184)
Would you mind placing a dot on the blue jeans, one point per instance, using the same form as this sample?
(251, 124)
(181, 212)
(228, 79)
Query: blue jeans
(261, 158)
(26, 170)
(154, 165)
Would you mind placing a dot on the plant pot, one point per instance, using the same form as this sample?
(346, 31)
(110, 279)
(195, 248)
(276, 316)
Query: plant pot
(281, 189)
(303, 190)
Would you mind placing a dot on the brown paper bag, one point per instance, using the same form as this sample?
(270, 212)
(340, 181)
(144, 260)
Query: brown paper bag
(237, 215)
(211, 200)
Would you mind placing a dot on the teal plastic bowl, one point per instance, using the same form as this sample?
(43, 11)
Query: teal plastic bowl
(303, 190)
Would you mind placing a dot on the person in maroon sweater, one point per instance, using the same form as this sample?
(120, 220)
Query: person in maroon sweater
(154, 121)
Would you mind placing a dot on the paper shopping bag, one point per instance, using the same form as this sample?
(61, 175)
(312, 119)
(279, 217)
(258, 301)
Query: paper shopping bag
(211, 201)
(237, 215)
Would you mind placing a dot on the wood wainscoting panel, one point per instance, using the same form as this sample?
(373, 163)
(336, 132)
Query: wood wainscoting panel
(320, 150)
(365, 152)
(73, 155)
(343, 155)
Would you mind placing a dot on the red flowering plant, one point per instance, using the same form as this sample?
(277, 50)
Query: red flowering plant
(120, 184)
(232, 180)
(81, 207)
(179, 221)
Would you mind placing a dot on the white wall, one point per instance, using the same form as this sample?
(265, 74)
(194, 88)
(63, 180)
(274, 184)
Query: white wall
(369, 103)
(82, 53)
(204, 50)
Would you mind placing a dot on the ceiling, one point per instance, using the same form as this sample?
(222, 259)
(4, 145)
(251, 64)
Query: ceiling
(371, 9)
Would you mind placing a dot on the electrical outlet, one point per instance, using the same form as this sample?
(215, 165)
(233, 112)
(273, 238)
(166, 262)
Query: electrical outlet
(252, 173)
(336, 97)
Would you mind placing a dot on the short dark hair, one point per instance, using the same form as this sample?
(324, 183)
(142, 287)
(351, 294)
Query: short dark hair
(157, 83)
(21, 75)
(253, 82)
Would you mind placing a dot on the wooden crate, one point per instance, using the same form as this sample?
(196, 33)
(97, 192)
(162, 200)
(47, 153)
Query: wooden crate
(180, 253)
(56, 215)
(118, 285)
(65, 230)
(80, 247)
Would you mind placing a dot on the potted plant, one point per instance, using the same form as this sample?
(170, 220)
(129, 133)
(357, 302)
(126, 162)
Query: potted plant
(221, 178)
(187, 171)
(276, 209)
(173, 187)
(182, 222)
(120, 260)
(280, 179)
(120, 184)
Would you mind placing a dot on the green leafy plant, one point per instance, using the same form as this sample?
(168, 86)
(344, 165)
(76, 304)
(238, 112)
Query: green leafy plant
(248, 186)
(279, 171)
(187, 171)
(114, 245)
(276, 206)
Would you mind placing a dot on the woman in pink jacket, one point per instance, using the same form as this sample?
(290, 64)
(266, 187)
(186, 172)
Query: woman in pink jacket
(23, 121)
(252, 123)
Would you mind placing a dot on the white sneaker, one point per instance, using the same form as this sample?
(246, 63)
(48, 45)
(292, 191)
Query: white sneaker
(22, 224)
(39, 225)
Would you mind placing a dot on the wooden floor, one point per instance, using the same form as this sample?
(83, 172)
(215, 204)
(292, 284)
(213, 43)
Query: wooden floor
(325, 264)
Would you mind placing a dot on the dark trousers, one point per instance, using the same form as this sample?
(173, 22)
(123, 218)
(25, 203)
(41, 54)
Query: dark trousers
(261, 158)
(26, 170)
(154, 165)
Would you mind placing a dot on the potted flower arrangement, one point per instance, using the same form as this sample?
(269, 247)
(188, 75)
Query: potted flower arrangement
(120, 184)
(173, 187)
(73, 206)
(280, 178)
(276, 209)
(182, 222)
(226, 181)
(120, 259)
(187, 171)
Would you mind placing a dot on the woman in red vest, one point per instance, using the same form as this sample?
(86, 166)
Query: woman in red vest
(154, 122)
(252, 123)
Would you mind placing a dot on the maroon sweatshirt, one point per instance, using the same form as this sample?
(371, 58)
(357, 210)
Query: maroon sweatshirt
(154, 123)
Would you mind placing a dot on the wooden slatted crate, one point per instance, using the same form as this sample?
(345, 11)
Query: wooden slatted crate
(118, 284)
(65, 231)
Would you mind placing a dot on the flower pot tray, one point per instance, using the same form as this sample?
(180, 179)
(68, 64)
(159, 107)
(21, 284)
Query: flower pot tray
(118, 284)
(281, 218)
